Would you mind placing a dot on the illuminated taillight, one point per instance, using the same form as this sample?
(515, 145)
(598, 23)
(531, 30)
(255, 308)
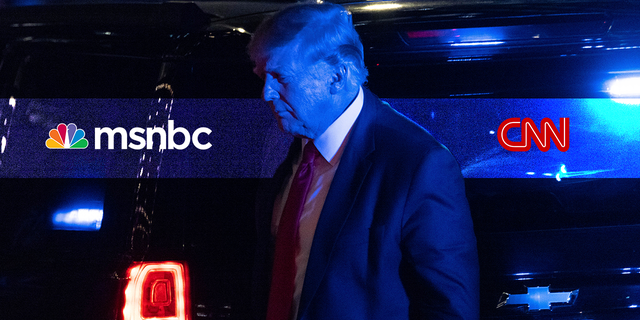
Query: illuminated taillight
(158, 290)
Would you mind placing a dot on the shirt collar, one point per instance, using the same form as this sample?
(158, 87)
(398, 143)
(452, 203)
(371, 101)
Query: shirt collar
(329, 142)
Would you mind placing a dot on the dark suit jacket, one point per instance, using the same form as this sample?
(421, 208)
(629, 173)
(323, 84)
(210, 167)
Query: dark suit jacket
(395, 238)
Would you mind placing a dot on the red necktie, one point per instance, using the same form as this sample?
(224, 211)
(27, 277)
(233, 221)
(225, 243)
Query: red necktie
(288, 240)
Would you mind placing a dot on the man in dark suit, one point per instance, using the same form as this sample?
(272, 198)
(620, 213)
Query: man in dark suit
(367, 217)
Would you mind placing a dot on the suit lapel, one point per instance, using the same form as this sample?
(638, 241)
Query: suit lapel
(352, 170)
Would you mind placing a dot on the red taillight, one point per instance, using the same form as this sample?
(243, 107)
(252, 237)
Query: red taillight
(157, 290)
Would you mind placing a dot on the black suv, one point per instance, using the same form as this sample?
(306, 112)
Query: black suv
(133, 140)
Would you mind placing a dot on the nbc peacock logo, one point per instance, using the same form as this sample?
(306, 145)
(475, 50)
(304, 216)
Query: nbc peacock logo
(67, 137)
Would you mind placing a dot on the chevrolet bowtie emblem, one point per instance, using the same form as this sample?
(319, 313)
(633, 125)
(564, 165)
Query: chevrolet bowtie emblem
(538, 298)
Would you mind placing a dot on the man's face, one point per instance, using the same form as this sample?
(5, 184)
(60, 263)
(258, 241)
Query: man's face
(298, 93)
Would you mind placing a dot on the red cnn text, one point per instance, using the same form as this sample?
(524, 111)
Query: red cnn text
(529, 131)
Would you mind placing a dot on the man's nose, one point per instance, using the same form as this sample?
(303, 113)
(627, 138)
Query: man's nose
(268, 92)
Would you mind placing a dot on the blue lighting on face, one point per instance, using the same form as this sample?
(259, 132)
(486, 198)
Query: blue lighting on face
(81, 218)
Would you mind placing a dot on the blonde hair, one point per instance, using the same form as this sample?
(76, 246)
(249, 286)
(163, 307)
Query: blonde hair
(322, 31)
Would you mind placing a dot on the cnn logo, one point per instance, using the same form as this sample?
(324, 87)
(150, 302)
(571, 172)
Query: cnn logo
(542, 138)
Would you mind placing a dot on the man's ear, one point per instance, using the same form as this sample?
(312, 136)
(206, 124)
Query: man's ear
(339, 78)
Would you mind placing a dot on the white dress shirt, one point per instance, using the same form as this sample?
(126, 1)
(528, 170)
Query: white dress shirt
(330, 144)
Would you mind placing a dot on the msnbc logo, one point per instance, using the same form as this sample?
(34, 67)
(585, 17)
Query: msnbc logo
(67, 137)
